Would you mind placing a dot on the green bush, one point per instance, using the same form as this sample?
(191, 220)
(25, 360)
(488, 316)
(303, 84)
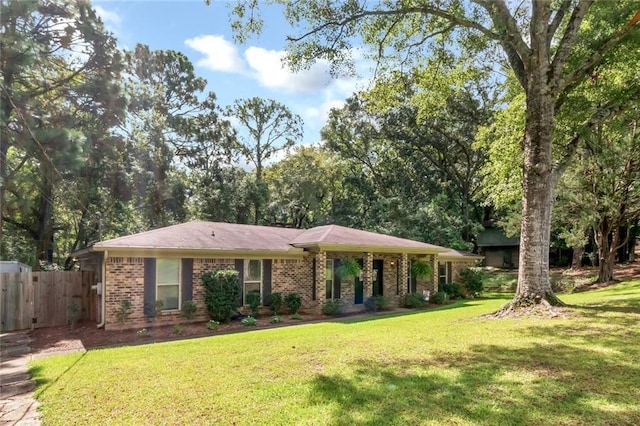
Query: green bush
(253, 300)
(213, 325)
(275, 319)
(274, 301)
(440, 298)
(413, 301)
(178, 330)
(473, 280)
(376, 303)
(74, 313)
(295, 317)
(248, 321)
(454, 290)
(189, 309)
(221, 293)
(293, 302)
(153, 310)
(333, 308)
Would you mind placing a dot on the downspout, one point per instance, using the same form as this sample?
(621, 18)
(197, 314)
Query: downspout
(103, 295)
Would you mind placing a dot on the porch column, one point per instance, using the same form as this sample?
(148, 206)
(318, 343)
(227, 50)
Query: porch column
(321, 276)
(434, 267)
(367, 274)
(403, 264)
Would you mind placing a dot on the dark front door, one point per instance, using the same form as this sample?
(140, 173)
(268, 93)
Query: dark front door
(377, 277)
(359, 288)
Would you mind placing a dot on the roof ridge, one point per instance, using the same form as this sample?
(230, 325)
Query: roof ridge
(326, 233)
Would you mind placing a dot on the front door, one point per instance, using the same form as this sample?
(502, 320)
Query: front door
(359, 288)
(377, 277)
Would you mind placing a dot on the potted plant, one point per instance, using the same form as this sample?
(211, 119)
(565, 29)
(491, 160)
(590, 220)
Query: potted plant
(348, 268)
(421, 269)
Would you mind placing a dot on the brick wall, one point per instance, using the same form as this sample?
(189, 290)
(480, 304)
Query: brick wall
(294, 276)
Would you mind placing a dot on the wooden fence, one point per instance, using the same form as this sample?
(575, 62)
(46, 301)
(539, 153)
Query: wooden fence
(46, 299)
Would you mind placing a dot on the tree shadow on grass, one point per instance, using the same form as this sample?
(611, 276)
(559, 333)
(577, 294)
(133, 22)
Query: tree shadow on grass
(485, 385)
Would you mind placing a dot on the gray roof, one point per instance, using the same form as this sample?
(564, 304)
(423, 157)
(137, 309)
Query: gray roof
(230, 236)
(495, 237)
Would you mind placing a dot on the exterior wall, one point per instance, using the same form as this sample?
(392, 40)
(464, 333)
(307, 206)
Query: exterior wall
(501, 257)
(294, 276)
(430, 283)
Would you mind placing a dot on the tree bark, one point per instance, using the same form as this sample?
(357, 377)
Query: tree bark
(576, 261)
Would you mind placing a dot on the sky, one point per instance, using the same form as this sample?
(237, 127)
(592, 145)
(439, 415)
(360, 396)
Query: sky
(233, 71)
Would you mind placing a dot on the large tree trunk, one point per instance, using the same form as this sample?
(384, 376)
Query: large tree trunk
(607, 242)
(539, 180)
(576, 261)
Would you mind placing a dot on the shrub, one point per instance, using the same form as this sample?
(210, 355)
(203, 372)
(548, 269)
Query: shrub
(143, 333)
(253, 300)
(153, 310)
(221, 293)
(74, 313)
(454, 290)
(248, 321)
(413, 301)
(178, 330)
(440, 298)
(274, 301)
(332, 308)
(295, 317)
(293, 302)
(123, 311)
(275, 319)
(189, 309)
(213, 325)
(376, 303)
(473, 281)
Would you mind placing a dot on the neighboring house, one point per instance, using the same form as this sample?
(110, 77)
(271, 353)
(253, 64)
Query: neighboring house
(499, 250)
(167, 264)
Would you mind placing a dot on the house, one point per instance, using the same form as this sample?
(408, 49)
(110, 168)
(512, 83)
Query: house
(452, 262)
(168, 264)
(498, 250)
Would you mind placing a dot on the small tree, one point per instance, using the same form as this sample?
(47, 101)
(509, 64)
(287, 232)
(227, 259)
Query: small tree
(221, 290)
(293, 302)
(123, 311)
(189, 309)
(253, 300)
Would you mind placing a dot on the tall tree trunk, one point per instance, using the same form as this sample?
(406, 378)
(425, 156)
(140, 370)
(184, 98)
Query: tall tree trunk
(576, 261)
(534, 285)
(45, 215)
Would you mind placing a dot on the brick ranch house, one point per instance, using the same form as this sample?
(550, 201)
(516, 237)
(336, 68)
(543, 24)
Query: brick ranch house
(168, 263)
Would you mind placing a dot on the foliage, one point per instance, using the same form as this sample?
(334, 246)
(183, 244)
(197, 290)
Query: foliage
(248, 321)
(143, 333)
(253, 300)
(348, 267)
(178, 330)
(377, 303)
(333, 308)
(213, 325)
(153, 309)
(74, 313)
(293, 302)
(440, 298)
(189, 309)
(413, 301)
(454, 290)
(421, 269)
(221, 290)
(275, 319)
(123, 311)
(473, 281)
(274, 301)
(295, 317)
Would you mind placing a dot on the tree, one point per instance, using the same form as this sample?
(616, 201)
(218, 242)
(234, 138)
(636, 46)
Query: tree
(58, 89)
(266, 128)
(546, 46)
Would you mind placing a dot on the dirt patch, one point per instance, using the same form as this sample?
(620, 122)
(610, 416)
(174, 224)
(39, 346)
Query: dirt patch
(85, 336)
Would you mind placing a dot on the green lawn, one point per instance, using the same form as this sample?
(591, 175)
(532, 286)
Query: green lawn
(432, 367)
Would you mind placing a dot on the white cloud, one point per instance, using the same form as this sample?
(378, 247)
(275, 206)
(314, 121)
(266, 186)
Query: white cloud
(272, 73)
(219, 54)
(108, 17)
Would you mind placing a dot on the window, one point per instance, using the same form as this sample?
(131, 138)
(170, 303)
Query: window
(443, 273)
(168, 283)
(252, 277)
(329, 290)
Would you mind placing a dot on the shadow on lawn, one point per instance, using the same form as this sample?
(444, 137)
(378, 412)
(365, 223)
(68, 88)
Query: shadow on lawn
(581, 372)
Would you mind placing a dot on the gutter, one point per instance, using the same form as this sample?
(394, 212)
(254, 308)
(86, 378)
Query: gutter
(103, 293)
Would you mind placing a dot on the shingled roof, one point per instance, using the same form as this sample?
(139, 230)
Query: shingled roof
(218, 236)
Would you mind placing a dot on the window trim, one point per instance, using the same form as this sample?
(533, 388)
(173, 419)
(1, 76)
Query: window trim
(245, 270)
(329, 263)
(158, 260)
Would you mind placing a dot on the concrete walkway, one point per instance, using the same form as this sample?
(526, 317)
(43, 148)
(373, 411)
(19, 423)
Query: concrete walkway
(17, 406)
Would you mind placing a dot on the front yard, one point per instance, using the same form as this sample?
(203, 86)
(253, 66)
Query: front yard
(441, 366)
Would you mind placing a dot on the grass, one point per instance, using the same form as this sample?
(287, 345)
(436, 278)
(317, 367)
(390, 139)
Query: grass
(441, 366)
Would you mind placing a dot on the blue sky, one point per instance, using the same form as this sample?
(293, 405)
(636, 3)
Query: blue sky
(203, 33)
